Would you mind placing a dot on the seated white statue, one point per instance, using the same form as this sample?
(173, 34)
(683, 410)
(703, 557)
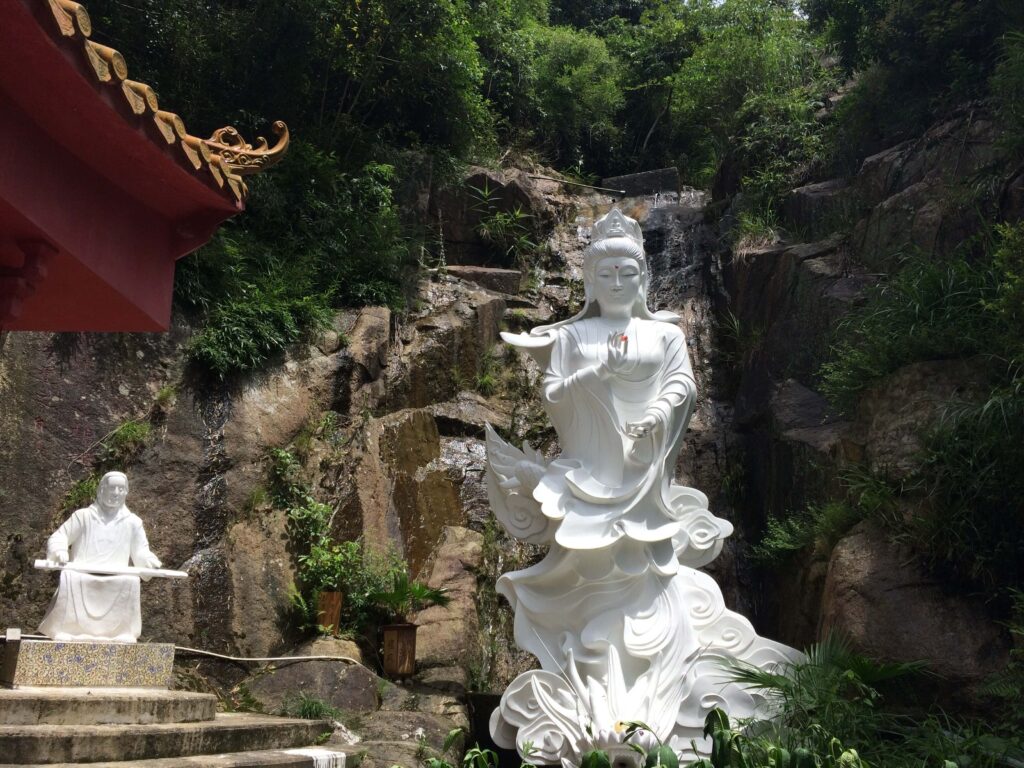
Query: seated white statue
(104, 534)
(622, 623)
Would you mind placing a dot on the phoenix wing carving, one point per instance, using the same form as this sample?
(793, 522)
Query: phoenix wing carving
(512, 475)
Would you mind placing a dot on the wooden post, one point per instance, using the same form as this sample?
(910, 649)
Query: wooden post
(399, 650)
(328, 611)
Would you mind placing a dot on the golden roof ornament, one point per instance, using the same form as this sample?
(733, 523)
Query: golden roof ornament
(226, 156)
(247, 159)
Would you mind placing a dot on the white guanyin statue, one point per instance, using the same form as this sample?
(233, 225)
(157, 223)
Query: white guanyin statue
(624, 626)
(99, 539)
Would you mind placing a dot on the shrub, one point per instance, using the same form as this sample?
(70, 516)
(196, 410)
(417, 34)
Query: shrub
(973, 526)
(1007, 86)
(316, 238)
(751, 56)
(124, 443)
(242, 333)
(755, 228)
(508, 233)
(403, 597)
(916, 59)
(971, 472)
(821, 524)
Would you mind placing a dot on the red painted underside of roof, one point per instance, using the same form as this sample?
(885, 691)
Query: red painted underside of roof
(83, 174)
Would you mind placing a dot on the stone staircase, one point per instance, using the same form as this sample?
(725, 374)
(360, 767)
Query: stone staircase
(149, 728)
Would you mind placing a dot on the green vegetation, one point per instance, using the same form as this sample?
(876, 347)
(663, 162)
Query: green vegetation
(837, 703)
(273, 281)
(488, 374)
(82, 493)
(350, 567)
(917, 58)
(967, 307)
(403, 597)
(506, 232)
(382, 95)
(123, 444)
(115, 451)
(821, 524)
(309, 707)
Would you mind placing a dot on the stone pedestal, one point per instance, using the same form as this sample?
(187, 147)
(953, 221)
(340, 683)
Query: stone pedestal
(87, 664)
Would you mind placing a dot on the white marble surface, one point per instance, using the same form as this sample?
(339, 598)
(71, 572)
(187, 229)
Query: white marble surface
(87, 606)
(624, 626)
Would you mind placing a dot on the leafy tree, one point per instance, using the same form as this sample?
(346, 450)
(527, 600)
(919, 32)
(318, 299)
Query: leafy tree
(504, 34)
(929, 55)
(579, 95)
(750, 52)
(583, 14)
(649, 55)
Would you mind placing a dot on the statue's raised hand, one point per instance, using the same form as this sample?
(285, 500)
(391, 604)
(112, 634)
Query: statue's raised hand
(617, 360)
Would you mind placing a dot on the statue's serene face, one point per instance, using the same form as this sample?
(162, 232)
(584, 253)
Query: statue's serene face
(617, 282)
(114, 492)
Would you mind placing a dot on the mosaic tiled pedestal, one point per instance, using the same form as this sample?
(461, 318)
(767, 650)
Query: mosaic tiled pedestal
(84, 664)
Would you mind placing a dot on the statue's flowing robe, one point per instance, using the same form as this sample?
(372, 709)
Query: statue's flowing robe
(605, 486)
(89, 607)
(616, 612)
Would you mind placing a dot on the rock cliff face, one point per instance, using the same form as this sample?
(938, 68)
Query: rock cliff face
(785, 300)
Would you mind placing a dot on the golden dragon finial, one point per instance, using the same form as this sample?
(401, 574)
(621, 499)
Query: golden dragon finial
(246, 159)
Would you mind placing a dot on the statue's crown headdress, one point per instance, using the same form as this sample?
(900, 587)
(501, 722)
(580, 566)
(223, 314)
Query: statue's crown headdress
(616, 224)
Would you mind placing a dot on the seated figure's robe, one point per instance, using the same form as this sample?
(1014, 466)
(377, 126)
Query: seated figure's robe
(88, 607)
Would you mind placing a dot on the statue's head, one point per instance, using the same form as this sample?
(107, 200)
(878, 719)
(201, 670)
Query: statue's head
(112, 490)
(614, 266)
(615, 255)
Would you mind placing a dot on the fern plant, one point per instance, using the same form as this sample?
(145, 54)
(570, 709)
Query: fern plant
(406, 597)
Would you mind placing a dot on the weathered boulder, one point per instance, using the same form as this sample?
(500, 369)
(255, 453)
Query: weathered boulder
(369, 335)
(467, 414)
(500, 280)
(891, 609)
(879, 174)
(439, 691)
(893, 414)
(786, 299)
(451, 632)
(352, 688)
(460, 211)
(443, 349)
(395, 490)
(957, 147)
(909, 190)
(821, 207)
(464, 459)
(915, 218)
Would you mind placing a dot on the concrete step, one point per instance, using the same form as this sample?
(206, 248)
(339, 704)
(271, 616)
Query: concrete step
(232, 732)
(103, 706)
(306, 757)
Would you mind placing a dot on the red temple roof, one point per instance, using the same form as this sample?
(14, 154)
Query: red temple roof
(101, 190)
